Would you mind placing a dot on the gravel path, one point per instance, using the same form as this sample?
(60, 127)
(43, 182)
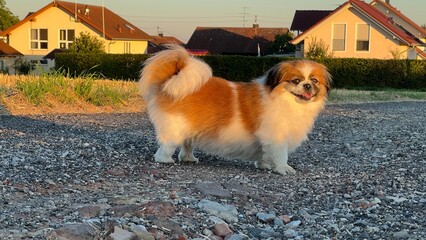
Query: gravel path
(362, 175)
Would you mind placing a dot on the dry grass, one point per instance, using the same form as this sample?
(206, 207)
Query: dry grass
(28, 95)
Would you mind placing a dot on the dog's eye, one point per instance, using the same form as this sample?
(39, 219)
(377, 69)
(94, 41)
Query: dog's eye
(295, 81)
(314, 80)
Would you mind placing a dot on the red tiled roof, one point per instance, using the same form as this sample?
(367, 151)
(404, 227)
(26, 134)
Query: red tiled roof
(157, 43)
(376, 16)
(160, 40)
(420, 52)
(7, 50)
(304, 19)
(228, 40)
(115, 26)
(399, 14)
(382, 19)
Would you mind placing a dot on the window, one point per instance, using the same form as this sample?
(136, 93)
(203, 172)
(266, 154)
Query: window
(363, 37)
(127, 47)
(66, 38)
(38, 39)
(339, 37)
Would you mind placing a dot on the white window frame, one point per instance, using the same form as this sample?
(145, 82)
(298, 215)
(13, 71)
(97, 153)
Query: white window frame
(344, 39)
(37, 39)
(65, 43)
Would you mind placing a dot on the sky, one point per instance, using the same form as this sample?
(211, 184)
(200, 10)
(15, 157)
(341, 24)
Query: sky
(179, 18)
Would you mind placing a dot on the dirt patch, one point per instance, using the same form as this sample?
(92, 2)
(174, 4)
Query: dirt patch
(18, 105)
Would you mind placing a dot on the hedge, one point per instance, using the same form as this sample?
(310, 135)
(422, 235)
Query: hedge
(111, 66)
(347, 72)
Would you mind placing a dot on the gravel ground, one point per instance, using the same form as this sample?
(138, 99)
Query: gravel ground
(362, 175)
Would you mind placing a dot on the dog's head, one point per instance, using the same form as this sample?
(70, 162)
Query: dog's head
(306, 80)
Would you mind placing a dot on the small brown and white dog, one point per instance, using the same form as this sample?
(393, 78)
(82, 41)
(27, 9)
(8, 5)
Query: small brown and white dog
(260, 121)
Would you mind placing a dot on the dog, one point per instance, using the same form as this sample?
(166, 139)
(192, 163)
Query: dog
(260, 121)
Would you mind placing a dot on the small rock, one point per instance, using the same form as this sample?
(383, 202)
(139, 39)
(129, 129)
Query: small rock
(401, 234)
(121, 210)
(121, 234)
(286, 219)
(228, 212)
(266, 217)
(290, 233)
(213, 189)
(77, 231)
(141, 232)
(89, 211)
(222, 230)
(293, 224)
(237, 237)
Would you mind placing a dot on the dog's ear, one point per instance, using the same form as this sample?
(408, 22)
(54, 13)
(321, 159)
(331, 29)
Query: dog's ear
(274, 77)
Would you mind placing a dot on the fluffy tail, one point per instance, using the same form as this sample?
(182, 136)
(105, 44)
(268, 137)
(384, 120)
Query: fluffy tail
(173, 72)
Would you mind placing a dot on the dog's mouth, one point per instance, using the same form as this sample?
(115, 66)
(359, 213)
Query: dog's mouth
(306, 96)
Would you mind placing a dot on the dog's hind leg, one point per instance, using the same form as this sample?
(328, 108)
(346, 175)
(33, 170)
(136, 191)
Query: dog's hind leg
(186, 153)
(164, 153)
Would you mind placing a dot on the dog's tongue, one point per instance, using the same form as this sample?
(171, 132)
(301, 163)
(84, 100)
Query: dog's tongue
(307, 95)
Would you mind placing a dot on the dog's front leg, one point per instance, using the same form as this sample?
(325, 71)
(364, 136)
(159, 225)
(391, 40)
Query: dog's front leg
(277, 154)
(164, 153)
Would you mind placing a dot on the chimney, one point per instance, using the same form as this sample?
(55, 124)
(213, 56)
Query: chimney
(388, 2)
(255, 24)
(86, 11)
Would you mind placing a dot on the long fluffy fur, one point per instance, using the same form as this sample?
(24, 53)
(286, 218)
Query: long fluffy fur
(260, 121)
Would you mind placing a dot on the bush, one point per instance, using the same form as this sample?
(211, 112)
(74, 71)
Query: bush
(111, 66)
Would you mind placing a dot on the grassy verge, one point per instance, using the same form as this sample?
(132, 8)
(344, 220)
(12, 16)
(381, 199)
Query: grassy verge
(55, 93)
(359, 96)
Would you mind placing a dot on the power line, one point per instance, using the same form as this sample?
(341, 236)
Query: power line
(177, 17)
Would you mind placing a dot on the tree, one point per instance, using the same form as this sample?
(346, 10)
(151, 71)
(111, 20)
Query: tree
(282, 44)
(7, 19)
(317, 49)
(87, 43)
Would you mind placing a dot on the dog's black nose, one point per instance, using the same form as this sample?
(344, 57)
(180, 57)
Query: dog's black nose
(307, 86)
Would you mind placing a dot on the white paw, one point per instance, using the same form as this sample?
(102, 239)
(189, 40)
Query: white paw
(284, 170)
(188, 159)
(164, 159)
(262, 165)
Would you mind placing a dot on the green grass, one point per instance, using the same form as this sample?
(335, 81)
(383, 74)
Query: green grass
(60, 88)
(103, 95)
(357, 96)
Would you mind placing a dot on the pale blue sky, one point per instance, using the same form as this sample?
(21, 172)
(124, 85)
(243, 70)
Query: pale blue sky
(179, 18)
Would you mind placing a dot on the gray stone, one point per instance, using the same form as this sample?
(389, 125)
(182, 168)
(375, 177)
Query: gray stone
(401, 234)
(227, 212)
(213, 189)
(75, 231)
(121, 234)
(141, 232)
(266, 217)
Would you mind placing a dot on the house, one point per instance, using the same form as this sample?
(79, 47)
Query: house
(59, 22)
(357, 29)
(252, 41)
(158, 43)
(8, 58)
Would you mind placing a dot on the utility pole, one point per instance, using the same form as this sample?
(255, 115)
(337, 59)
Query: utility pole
(244, 13)
(103, 19)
